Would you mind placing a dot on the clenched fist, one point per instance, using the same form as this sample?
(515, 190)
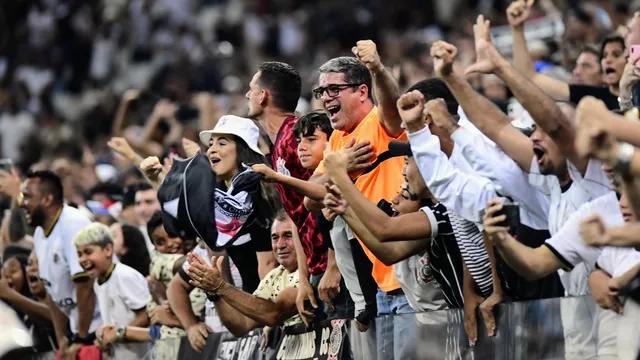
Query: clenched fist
(410, 108)
(367, 52)
(518, 12)
(436, 112)
(443, 55)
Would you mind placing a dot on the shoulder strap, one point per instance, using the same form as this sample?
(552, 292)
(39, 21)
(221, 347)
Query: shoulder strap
(382, 157)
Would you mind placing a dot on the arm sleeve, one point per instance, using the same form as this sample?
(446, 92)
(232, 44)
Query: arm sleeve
(567, 244)
(134, 290)
(463, 193)
(508, 178)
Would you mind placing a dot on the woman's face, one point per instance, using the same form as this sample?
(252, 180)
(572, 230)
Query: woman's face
(118, 240)
(33, 277)
(223, 156)
(613, 62)
(13, 272)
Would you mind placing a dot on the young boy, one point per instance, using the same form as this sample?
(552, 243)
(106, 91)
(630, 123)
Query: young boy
(312, 132)
(121, 291)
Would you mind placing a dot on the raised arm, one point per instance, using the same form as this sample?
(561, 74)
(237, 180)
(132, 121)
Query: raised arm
(385, 87)
(517, 13)
(547, 114)
(305, 188)
(463, 193)
(483, 113)
(593, 114)
(121, 114)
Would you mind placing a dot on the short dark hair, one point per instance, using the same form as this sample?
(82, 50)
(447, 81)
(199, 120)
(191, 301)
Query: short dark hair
(111, 190)
(284, 83)
(354, 71)
(308, 123)
(50, 183)
(435, 88)
(154, 223)
(611, 39)
(143, 186)
(589, 49)
(280, 215)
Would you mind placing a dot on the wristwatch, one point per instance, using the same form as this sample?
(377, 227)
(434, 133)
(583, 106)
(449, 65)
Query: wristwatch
(121, 331)
(623, 159)
(624, 104)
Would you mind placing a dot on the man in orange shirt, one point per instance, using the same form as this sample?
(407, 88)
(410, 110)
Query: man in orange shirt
(345, 89)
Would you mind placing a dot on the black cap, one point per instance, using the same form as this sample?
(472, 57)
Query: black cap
(400, 148)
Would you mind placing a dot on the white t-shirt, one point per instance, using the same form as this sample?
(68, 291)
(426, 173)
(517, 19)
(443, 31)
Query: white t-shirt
(58, 259)
(564, 203)
(123, 291)
(618, 260)
(567, 244)
(583, 189)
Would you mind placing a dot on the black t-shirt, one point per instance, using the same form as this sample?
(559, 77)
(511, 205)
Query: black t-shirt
(517, 287)
(577, 92)
(246, 260)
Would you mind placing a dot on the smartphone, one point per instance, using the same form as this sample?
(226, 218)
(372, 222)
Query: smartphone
(634, 53)
(6, 165)
(512, 211)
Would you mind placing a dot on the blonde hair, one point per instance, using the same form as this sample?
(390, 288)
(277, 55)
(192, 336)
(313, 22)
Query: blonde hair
(94, 234)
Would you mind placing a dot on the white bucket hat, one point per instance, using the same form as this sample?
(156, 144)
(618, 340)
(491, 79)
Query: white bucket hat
(241, 127)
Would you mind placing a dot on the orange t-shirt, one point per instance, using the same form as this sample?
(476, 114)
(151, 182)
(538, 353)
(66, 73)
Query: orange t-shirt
(381, 183)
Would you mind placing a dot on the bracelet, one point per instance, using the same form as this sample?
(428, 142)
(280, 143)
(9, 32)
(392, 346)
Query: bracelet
(215, 290)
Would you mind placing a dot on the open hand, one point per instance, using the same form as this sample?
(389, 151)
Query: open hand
(488, 59)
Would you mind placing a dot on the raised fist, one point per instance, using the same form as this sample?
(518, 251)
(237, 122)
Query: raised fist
(367, 52)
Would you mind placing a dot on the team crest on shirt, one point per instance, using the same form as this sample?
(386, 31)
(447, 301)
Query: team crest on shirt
(281, 167)
(56, 258)
(424, 271)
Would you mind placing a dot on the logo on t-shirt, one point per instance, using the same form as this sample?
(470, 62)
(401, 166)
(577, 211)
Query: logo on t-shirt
(281, 168)
(424, 272)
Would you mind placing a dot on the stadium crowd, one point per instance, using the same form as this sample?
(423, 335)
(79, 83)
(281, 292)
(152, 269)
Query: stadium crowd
(366, 159)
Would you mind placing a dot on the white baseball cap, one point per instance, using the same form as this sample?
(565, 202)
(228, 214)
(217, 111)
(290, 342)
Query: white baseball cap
(241, 127)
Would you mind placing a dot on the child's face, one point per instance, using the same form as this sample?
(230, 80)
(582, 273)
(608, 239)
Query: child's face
(311, 149)
(33, 278)
(165, 244)
(95, 260)
(13, 273)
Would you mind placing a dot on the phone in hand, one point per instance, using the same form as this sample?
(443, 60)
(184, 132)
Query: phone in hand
(512, 211)
(6, 165)
(634, 53)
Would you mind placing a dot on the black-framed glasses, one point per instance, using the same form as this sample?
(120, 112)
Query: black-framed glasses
(332, 90)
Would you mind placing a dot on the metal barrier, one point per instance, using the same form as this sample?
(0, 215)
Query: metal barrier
(561, 328)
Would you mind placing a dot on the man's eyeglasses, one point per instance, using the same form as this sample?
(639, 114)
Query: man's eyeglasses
(332, 90)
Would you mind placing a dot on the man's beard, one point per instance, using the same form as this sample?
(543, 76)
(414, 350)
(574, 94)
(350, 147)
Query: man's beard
(37, 217)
